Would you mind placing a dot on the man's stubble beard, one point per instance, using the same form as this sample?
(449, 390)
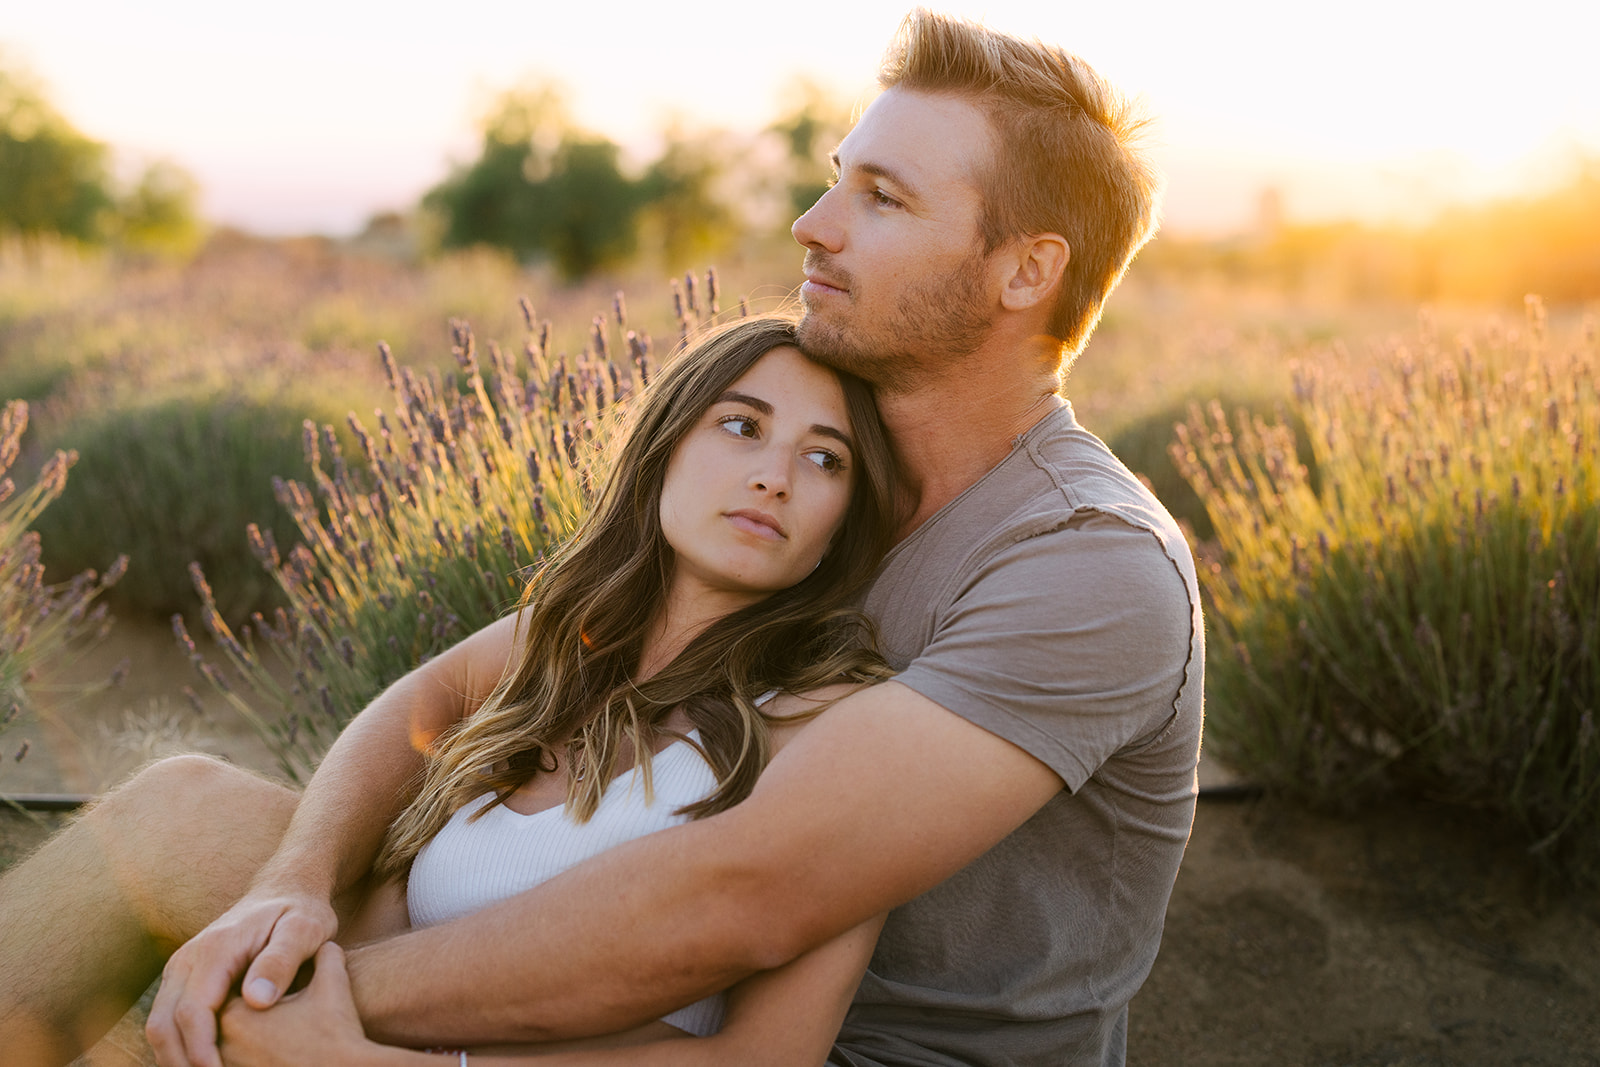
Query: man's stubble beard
(934, 324)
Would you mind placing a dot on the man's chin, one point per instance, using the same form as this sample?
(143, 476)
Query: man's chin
(825, 343)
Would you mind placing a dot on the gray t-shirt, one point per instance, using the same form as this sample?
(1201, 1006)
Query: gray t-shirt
(1053, 603)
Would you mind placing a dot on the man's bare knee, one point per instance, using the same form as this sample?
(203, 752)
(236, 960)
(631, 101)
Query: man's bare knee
(184, 836)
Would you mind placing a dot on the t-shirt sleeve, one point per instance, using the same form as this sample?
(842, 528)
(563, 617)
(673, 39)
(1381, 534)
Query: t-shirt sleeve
(1070, 643)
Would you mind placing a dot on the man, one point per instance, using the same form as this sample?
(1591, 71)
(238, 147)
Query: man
(1022, 790)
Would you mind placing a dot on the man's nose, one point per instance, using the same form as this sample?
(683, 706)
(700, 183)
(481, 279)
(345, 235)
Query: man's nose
(817, 228)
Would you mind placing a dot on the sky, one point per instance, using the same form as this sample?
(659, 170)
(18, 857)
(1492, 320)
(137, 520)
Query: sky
(311, 115)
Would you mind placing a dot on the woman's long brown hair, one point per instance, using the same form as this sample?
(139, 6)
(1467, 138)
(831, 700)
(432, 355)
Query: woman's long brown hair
(585, 614)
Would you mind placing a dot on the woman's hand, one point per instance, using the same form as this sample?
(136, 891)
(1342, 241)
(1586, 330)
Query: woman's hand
(263, 938)
(317, 1025)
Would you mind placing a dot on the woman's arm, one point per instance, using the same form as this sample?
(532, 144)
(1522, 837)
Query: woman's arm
(338, 826)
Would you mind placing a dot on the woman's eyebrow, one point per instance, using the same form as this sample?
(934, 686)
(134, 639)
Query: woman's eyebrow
(824, 430)
(733, 396)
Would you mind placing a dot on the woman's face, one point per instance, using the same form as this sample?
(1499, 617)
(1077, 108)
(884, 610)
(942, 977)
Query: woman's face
(757, 488)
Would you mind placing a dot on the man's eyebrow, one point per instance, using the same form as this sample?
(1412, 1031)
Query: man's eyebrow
(878, 170)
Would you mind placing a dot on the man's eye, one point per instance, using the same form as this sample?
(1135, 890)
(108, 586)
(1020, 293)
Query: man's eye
(884, 199)
(738, 425)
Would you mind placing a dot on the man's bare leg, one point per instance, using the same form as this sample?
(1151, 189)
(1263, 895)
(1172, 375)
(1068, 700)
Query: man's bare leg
(87, 921)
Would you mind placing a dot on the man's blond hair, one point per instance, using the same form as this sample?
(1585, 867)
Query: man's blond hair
(1068, 159)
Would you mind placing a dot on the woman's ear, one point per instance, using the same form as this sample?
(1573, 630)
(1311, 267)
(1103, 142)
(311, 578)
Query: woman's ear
(1040, 262)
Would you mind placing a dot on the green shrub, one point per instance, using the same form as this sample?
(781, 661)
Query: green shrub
(175, 478)
(427, 534)
(1428, 621)
(36, 620)
(1145, 445)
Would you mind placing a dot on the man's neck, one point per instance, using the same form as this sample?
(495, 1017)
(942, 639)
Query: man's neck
(953, 428)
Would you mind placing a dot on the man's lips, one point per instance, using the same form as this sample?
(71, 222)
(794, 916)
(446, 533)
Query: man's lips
(757, 522)
(819, 279)
(820, 284)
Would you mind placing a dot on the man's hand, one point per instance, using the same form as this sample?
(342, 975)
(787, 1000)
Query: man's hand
(366, 779)
(316, 1025)
(265, 937)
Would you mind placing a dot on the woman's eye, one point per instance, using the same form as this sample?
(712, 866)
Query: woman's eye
(828, 461)
(738, 425)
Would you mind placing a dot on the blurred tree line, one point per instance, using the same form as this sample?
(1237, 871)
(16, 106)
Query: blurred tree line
(54, 180)
(1546, 243)
(543, 188)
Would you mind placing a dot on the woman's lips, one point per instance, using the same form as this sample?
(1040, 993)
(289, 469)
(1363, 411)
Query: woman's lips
(759, 523)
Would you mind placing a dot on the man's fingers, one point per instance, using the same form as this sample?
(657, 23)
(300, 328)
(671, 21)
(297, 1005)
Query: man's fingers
(197, 1029)
(182, 1029)
(197, 980)
(160, 1030)
(180, 1034)
(271, 938)
(295, 938)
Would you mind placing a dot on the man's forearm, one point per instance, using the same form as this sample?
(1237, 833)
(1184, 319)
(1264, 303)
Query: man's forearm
(875, 802)
(571, 958)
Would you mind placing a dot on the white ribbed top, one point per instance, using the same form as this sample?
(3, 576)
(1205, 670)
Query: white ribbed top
(469, 865)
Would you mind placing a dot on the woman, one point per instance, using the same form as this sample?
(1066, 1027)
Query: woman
(749, 501)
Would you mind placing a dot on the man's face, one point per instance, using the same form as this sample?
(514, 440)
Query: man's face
(896, 280)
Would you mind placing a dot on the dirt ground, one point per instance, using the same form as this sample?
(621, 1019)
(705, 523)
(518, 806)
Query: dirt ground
(1409, 937)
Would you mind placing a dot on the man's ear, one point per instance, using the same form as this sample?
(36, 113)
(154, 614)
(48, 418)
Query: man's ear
(1040, 262)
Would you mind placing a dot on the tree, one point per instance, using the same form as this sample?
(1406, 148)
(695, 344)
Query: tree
(53, 179)
(684, 213)
(542, 187)
(158, 215)
(815, 121)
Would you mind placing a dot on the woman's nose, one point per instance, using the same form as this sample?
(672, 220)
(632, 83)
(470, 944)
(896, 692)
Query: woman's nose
(773, 478)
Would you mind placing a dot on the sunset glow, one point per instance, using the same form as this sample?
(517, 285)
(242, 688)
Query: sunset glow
(317, 115)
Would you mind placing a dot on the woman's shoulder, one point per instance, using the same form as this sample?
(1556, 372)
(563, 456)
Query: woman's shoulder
(789, 713)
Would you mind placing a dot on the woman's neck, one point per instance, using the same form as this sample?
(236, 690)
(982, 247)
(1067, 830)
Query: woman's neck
(683, 616)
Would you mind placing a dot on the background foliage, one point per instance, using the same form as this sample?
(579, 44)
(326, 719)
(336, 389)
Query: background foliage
(54, 180)
(37, 619)
(543, 188)
(1400, 536)
(1427, 619)
(1494, 253)
(427, 533)
(183, 386)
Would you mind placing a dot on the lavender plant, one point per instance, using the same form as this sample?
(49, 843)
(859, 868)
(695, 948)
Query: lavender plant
(1426, 619)
(36, 620)
(175, 476)
(428, 534)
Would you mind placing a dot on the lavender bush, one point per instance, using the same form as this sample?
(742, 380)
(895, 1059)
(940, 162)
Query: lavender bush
(426, 535)
(1426, 620)
(37, 620)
